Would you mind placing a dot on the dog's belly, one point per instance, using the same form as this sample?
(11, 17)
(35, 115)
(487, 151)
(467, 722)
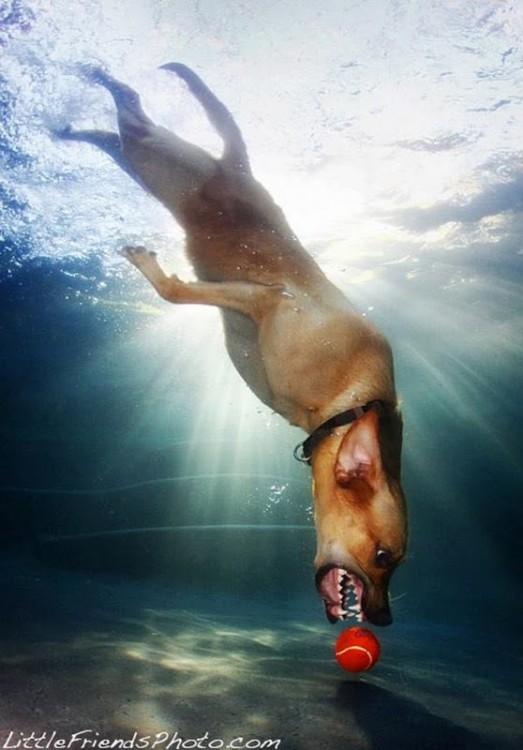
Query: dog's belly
(321, 356)
(232, 253)
(236, 232)
(241, 340)
(352, 362)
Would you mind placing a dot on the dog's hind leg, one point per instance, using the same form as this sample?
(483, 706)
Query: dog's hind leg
(172, 169)
(235, 151)
(235, 186)
(105, 140)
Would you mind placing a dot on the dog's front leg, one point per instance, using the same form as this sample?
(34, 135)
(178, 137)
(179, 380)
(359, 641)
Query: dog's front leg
(249, 298)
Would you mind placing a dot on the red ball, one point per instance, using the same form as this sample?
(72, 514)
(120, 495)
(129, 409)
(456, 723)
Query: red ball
(357, 650)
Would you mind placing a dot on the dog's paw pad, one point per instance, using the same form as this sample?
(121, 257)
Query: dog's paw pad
(139, 256)
(136, 250)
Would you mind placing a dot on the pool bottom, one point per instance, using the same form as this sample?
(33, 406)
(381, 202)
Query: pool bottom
(98, 660)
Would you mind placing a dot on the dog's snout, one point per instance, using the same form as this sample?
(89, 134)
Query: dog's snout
(377, 608)
(381, 617)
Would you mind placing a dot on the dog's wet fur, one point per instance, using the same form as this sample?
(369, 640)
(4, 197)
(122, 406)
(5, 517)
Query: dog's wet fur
(292, 335)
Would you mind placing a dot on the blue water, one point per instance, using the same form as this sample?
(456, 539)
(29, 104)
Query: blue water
(156, 533)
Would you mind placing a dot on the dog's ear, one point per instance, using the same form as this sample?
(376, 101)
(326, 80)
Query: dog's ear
(359, 456)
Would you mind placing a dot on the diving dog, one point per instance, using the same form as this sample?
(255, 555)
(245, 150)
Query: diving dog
(292, 335)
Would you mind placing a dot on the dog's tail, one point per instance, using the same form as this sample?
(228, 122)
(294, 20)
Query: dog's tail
(235, 151)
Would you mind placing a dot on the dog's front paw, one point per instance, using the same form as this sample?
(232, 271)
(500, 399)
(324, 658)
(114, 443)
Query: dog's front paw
(137, 255)
(146, 262)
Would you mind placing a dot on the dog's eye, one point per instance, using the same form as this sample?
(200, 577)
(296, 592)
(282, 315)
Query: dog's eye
(383, 558)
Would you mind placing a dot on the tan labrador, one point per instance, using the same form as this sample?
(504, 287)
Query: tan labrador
(292, 335)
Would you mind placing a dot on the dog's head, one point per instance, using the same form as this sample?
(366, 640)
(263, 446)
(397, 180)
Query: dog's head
(360, 517)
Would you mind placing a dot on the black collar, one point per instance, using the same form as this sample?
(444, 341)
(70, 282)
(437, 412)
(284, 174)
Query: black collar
(303, 451)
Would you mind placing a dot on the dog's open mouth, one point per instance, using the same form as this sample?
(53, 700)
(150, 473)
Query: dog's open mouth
(342, 593)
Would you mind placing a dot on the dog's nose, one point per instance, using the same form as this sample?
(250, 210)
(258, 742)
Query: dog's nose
(379, 615)
(383, 617)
